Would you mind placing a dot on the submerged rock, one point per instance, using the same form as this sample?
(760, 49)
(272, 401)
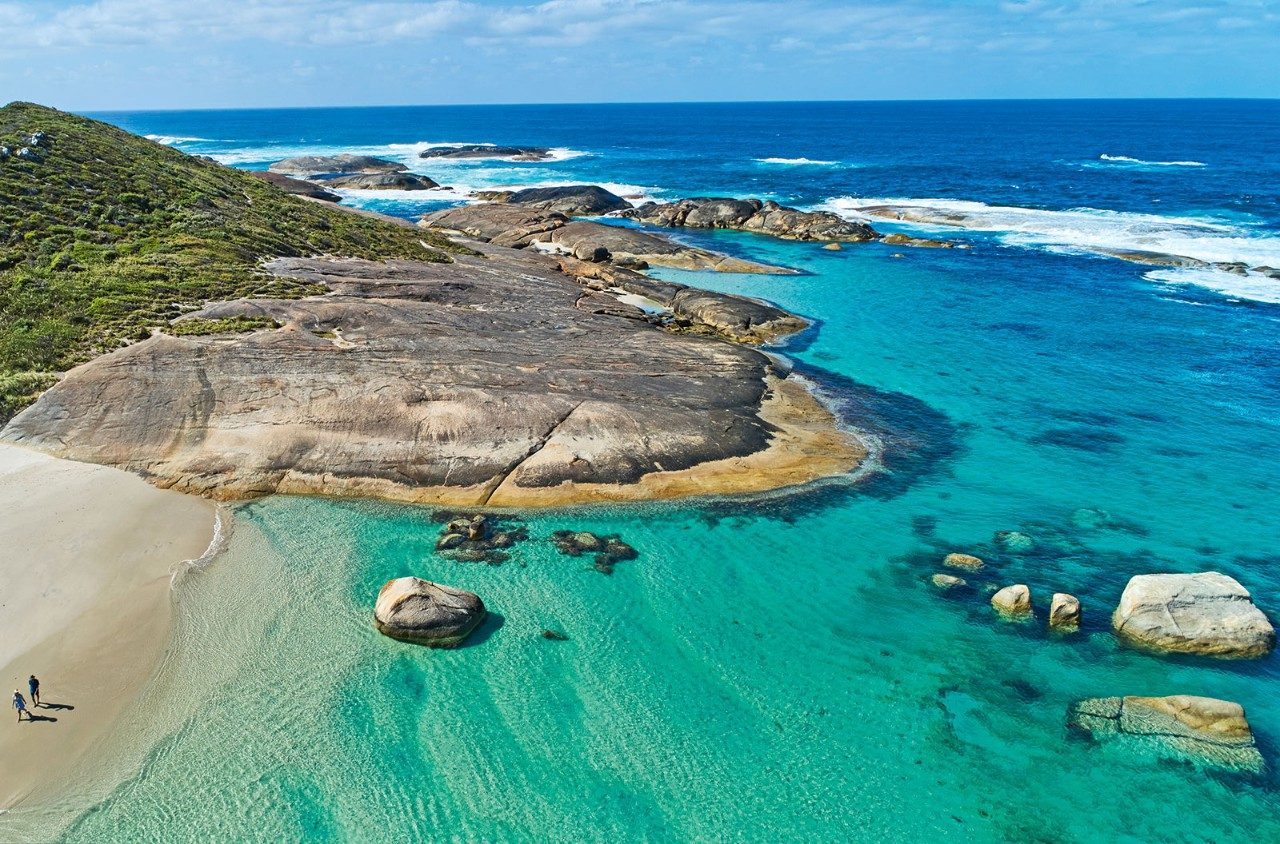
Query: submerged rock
(554, 635)
(899, 239)
(1015, 542)
(414, 610)
(947, 582)
(1064, 612)
(1198, 729)
(968, 562)
(1013, 601)
(307, 166)
(1206, 613)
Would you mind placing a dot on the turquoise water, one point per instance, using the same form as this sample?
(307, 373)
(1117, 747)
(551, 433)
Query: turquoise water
(777, 670)
(780, 669)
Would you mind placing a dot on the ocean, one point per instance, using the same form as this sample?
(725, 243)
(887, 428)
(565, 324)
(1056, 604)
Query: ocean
(781, 668)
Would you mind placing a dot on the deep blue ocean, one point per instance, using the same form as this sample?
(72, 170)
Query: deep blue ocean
(782, 669)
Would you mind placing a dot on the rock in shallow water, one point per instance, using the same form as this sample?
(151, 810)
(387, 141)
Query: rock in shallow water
(947, 582)
(426, 613)
(1207, 613)
(968, 562)
(1064, 612)
(1013, 601)
(1198, 729)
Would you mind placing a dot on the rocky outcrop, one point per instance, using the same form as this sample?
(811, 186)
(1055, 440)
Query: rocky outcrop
(520, 227)
(487, 151)
(480, 538)
(383, 181)
(474, 382)
(752, 215)
(608, 550)
(681, 308)
(1064, 612)
(1013, 601)
(1198, 729)
(1206, 613)
(899, 239)
(570, 200)
(298, 187)
(309, 166)
(414, 610)
(968, 562)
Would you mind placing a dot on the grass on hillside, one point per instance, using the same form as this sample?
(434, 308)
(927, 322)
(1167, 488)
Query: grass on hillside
(105, 236)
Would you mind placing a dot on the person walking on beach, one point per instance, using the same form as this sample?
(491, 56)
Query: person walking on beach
(33, 683)
(20, 704)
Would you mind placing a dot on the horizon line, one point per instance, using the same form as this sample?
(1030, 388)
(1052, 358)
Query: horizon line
(677, 102)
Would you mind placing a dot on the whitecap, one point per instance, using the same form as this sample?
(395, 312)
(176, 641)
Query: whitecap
(1255, 287)
(1090, 230)
(795, 162)
(1124, 159)
(172, 140)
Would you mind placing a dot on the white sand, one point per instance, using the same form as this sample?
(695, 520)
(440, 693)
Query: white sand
(86, 554)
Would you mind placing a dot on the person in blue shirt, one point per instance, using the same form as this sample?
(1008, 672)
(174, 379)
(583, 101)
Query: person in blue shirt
(34, 685)
(20, 704)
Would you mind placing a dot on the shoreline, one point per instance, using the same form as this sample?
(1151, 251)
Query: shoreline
(92, 554)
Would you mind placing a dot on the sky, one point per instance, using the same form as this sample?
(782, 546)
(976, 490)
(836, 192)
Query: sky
(158, 54)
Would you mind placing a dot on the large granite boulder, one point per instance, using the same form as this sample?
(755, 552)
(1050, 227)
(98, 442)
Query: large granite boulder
(382, 181)
(1202, 730)
(309, 166)
(752, 215)
(487, 151)
(298, 187)
(571, 200)
(1206, 613)
(1064, 612)
(522, 226)
(1013, 601)
(426, 613)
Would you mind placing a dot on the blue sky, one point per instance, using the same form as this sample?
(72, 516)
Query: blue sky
(136, 54)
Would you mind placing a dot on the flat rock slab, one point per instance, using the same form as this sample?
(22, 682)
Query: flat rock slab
(1203, 730)
(476, 382)
(752, 215)
(1206, 613)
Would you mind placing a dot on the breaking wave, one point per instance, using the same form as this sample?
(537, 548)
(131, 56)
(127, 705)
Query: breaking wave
(1124, 159)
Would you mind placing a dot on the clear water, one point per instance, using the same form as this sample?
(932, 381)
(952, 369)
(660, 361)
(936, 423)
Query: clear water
(781, 669)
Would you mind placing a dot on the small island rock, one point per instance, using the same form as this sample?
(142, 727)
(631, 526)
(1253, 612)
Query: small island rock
(968, 562)
(382, 181)
(307, 166)
(1064, 612)
(1206, 613)
(1013, 601)
(426, 613)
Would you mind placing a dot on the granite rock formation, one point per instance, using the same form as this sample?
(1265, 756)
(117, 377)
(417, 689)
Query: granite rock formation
(414, 610)
(482, 381)
(1206, 613)
(298, 187)
(521, 226)
(570, 200)
(487, 151)
(382, 181)
(752, 215)
(309, 166)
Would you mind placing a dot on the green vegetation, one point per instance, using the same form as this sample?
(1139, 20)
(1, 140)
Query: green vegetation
(105, 235)
(234, 325)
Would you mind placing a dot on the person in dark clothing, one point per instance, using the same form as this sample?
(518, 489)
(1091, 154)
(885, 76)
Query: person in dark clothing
(34, 685)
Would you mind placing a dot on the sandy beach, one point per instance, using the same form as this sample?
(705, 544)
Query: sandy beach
(86, 606)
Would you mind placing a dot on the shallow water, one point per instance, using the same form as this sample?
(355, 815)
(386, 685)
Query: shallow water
(779, 669)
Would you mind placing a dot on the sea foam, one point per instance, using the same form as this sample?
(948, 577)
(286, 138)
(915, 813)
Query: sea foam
(1124, 159)
(795, 162)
